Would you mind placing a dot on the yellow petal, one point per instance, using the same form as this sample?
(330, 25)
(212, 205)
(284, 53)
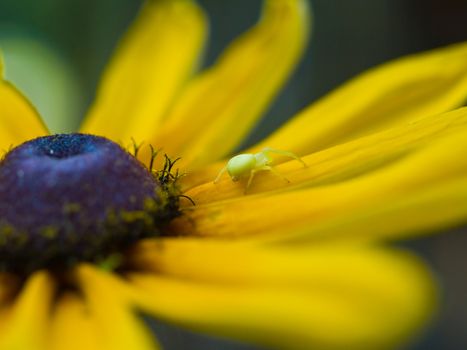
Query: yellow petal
(117, 325)
(151, 64)
(441, 207)
(400, 91)
(288, 298)
(72, 327)
(19, 121)
(334, 164)
(28, 317)
(220, 107)
(435, 164)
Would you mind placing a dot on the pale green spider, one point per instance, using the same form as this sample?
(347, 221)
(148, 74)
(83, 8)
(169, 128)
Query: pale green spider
(249, 164)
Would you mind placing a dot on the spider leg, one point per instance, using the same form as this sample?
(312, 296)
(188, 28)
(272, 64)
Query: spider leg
(250, 179)
(220, 174)
(284, 153)
(265, 167)
(275, 172)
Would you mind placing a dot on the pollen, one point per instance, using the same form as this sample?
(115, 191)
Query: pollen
(75, 197)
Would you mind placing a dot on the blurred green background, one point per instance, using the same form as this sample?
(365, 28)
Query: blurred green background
(55, 50)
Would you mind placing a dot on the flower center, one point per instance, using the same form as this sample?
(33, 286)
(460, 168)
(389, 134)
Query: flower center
(76, 197)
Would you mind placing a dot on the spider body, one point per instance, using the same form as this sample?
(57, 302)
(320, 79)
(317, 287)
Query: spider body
(243, 164)
(249, 164)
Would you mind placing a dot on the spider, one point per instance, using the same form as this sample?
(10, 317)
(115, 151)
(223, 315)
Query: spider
(249, 164)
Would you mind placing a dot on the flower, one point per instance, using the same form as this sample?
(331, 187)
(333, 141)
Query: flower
(288, 265)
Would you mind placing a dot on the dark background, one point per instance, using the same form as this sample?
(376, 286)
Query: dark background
(349, 36)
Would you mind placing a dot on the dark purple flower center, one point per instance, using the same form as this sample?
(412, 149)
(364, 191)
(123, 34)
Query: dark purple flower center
(75, 197)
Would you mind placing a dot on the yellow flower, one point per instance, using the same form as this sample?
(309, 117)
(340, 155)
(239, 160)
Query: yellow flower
(289, 265)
